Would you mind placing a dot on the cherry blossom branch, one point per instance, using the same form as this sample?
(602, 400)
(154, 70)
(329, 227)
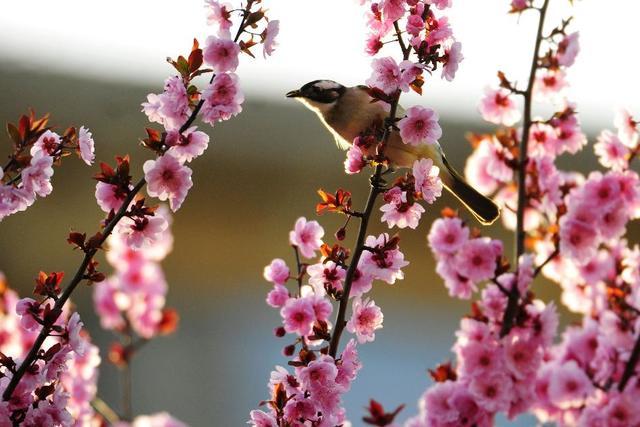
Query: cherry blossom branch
(66, 294)
(630, 367)
(514, 295)
(374, 191)
(79, 276)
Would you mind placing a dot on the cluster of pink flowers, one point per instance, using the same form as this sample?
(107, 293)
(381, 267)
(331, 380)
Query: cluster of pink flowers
(575, 227)
(402, 208)
(313, 391)
(492, 374)
(430, 36)
(430, 44)
(59, 386)
(36, 148)
(134, 297)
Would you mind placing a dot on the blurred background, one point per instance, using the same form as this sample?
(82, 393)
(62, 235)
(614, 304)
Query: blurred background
(92, 63)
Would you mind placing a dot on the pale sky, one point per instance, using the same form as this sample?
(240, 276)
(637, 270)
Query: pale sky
(129, 39)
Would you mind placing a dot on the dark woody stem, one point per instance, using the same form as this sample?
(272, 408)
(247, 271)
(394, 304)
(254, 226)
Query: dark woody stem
(375, 189)
(514, 294)
(32, 355)
(630, 367)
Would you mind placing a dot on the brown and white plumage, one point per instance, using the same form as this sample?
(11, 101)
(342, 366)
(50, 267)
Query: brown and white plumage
(348, 111)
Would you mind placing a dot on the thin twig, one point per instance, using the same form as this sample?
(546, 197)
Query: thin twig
(105, 411)
(374, 191)
(550, 258)
(630, 367)
(514, 296)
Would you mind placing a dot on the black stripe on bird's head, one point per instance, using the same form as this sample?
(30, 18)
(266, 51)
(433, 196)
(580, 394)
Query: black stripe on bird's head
(319, 91)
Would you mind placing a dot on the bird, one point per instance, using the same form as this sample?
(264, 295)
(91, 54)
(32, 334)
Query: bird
(349, 111)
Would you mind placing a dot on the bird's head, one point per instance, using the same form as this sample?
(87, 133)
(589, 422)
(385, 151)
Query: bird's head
(319, 95)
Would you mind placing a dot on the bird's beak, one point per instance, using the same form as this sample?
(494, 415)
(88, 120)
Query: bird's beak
(293, 94)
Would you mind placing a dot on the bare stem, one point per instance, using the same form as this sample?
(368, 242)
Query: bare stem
(102, 408)
(514, 295)
(630, 367)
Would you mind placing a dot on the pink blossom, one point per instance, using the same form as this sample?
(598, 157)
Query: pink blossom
(398, 212)
(457, 285)
(415, 24)
(427, 180)
(355, 160)
(222, 99)
(322, 308)
(221, 54)
(439, 32)
(386, 263)
(361, 284)
(306, 236)
(349, 365)
(611, 152)
(569, 386)
(498, 107)
(478, 168)
(73, 331)
(109, 197)
(622, 411)
(171, 108)
(477, 258)
(568, 49)
(447, 235)
(569, 137)
(577, 238)
(628, 129)
(219, 14)
(453, 58)
(188, 145)
(142, 232)
(550, 85)
(327, 275)
(270, 33)
(493, 302)
(492, 392)
(26, 308)
(277, 272)
(420, 126)
(385, 75)
(168, 179)
(298, 316)
(392, 10)
(542, 140)
(86, 146)
(437, 401)
(480, 359)
(321, 373)
(440, 4)
(278, 296)
(109, 302)
(47, 143)
(519, 5)
(36, 178)
(522, 357)
(366, 318)
(14, 200)
(373, 44)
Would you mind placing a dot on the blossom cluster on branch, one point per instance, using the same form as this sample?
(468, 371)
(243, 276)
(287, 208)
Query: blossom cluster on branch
(48, 366)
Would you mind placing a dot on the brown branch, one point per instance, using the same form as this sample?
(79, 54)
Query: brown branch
(32, 356)
(630, 367)
(374, 191)
(550, 258)
(514, 295)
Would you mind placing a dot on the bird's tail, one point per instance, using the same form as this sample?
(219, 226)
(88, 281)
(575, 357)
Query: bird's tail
(482, 207)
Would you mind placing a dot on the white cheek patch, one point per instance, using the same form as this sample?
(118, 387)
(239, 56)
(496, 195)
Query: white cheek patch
(327, 85)
(317, 107)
